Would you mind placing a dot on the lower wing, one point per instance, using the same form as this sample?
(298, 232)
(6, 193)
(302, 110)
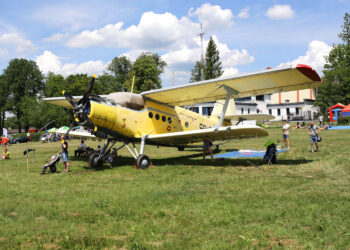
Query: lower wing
(210, 134)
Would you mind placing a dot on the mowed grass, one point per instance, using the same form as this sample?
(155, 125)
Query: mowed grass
(181, 201)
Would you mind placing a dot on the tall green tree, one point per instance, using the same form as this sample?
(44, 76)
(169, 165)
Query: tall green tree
(4, 100)
(54, 84)
(335, 86)
(212, 66)
(120, 67)
(146, 69)
(196, 72)
(25, 80)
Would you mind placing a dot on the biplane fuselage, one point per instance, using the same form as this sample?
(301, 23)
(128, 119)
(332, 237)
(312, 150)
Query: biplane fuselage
(155, 118)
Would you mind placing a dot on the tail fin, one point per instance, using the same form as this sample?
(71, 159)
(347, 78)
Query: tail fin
(219, 105)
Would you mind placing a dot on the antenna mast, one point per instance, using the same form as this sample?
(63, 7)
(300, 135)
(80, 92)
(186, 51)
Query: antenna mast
(202, 57)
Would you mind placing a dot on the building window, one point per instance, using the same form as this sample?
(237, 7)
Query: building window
(242, 111)
(297, 111)
(243, 99)
(195, 109)
(257, 111)
(278, 112)
(248, 110)
(157, 116)
(288, 112)
(150, 115)
(270, 111)
(207, 111)
(260, 98)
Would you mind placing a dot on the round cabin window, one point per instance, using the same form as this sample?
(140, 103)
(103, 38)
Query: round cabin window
(157, 116)
(163, 118)
(169, 119)
(150, 115)
(186, 124)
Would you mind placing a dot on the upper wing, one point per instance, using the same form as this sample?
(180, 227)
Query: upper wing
(211, 134)
(252, 84)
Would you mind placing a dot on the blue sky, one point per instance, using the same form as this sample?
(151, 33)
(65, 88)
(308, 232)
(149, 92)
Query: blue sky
(84, 36)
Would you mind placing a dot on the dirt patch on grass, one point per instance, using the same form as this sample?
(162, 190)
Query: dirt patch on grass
(155, 243)
(51, 246)
(2, 239)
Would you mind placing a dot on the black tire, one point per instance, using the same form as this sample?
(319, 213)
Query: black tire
(143, 162)
(93, 162)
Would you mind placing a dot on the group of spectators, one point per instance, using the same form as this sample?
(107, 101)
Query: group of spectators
(84, 151)
(312, 130)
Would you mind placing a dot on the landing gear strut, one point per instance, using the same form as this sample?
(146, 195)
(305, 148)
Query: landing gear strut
(97, 158)
(142, 160)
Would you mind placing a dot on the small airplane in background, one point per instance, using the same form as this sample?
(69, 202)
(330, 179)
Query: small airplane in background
(156, 117)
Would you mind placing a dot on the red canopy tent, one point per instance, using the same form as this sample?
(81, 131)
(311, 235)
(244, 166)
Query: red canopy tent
(333, 111)
(346, 111)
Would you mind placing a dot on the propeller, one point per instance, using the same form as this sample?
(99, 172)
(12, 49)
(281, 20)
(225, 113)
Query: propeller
(80, 114)
(88, 91)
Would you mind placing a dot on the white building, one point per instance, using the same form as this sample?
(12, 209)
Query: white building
(291, 105)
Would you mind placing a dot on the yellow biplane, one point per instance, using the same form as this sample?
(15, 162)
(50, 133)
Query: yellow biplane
(157, 117)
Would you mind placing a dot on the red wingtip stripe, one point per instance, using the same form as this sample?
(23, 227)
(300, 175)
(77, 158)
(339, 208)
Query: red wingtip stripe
(308, 72)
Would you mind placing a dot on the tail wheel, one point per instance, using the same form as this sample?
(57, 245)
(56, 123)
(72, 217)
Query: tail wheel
(94, 161)
(143, 161)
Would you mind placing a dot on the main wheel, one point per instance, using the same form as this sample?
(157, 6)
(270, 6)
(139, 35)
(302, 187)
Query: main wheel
(94, 161)
(143, 161)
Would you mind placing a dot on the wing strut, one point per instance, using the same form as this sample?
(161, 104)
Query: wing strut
(229, 92)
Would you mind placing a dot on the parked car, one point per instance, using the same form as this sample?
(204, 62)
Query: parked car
(19, 140)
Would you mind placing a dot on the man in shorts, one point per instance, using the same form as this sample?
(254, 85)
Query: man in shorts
(64, 152)
(285, 129)
(313, 131)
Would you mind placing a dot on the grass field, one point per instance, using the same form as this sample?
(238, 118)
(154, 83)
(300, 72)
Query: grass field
(181, 201)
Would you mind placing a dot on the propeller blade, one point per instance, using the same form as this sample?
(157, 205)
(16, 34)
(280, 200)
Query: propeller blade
(69, 98)
(88, 91)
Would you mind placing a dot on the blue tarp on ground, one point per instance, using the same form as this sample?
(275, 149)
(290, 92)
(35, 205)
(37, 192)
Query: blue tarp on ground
(339, 127)
(246, 153)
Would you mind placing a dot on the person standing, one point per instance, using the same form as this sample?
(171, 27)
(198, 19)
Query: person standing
(285, 129)
(64, 152)
(207, 147)
(313, 131)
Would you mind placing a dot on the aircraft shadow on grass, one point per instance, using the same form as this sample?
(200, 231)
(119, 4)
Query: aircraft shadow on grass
(195, 159)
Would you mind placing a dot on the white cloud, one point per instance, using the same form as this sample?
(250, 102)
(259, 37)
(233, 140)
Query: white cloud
(16, 42)
(155, 31)
(280, 12)
(244, 13)
(213, 17)
(49, 62)
(184, 59)
(230, 71)
(57, 37)
(314, 57)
